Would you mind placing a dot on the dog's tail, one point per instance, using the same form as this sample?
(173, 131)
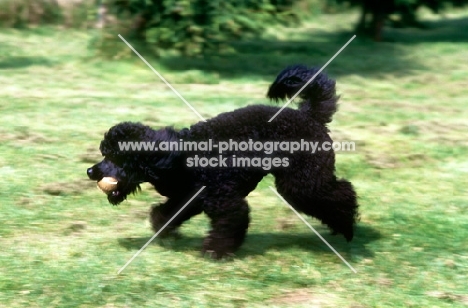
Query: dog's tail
(318, 98)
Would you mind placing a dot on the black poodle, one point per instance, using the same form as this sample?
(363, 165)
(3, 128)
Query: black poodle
(306, 180)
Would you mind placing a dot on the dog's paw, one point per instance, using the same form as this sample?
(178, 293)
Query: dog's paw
(211, 254)
(218, 248)
(347, 232)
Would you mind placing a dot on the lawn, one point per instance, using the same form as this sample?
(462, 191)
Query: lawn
(404, 104)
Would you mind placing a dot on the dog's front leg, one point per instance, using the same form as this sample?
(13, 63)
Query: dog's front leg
(229, 222)
(161, 214)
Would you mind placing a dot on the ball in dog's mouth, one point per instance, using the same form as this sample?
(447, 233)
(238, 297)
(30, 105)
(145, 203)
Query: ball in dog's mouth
(108, 185)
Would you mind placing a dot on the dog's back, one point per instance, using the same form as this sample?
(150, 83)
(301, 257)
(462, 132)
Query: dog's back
(316, 108)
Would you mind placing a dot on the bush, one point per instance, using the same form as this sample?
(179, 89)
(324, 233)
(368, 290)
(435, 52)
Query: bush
(197, 26)
(68, 13)
(21, 13)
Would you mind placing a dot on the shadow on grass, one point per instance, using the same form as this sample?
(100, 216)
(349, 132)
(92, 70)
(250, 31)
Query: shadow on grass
(13, 62)
(444, 30)
(263, 58)
(260, 243)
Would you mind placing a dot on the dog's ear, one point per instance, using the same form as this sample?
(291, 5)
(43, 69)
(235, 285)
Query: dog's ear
(170, 160)
(159, 166)
(166, 159)
(161, 160)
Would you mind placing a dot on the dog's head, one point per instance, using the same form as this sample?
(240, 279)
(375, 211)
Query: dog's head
(131, 158)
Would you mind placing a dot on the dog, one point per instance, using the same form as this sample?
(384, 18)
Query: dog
(306, 180)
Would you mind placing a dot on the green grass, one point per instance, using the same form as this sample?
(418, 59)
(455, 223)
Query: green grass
(404, 103)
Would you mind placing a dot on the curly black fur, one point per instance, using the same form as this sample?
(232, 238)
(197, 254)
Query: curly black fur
(309, 183)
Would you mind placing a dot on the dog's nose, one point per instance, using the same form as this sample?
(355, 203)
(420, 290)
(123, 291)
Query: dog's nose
(90, 173)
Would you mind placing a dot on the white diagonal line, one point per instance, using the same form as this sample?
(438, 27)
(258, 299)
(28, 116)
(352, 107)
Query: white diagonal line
(163, 79)
(311, 79)
(318, 234)
(160, 230)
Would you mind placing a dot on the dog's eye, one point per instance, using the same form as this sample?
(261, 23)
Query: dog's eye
(116, 160)
(118, 163)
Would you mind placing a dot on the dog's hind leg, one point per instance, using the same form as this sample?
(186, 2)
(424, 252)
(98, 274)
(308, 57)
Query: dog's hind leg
(229, 221)
(333, 203)
(161, 214)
